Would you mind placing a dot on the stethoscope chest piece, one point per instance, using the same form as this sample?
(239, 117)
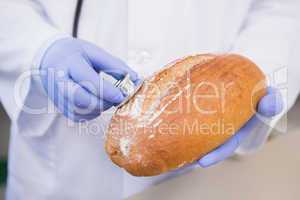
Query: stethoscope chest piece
(127, 87)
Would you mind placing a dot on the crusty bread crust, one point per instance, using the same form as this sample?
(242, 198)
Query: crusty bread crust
(184, 111)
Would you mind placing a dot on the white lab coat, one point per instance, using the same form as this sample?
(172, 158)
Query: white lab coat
(53, 158)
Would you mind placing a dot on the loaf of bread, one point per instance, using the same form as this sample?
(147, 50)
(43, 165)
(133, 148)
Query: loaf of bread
(184, 111)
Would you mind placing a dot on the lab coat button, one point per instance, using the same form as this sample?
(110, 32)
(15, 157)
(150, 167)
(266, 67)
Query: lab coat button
(139, 57)
(144, 57)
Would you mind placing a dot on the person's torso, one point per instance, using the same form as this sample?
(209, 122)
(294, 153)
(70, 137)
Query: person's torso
(69, 161)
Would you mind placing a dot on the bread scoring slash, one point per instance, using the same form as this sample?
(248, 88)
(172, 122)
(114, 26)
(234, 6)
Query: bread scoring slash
(184, 111)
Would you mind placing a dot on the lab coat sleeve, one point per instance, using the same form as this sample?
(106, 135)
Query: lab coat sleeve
(25, 34)
(270, 38)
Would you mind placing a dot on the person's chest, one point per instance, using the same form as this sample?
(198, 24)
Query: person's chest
(149, 34)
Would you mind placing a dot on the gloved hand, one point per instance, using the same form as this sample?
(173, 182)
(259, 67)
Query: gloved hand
(269, 106)
(70, 75)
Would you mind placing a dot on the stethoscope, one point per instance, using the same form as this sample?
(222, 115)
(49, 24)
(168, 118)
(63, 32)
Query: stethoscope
(126, 85)
(76, 18)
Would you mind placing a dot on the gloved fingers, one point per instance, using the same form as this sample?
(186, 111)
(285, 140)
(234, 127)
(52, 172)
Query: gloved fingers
(103, 61)
(71, 99)
(219, 154)
(50, 76)
(84, 75)
(80, 100)
(82, 117)
(138, 81)
(97, 108)
(228, 148)
(76, 116)
(75, 94)
(271, 104)
(69, 113)
(246, 129)
(64, 107)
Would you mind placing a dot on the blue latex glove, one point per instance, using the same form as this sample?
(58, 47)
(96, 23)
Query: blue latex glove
(70, 75)
(269, 106)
